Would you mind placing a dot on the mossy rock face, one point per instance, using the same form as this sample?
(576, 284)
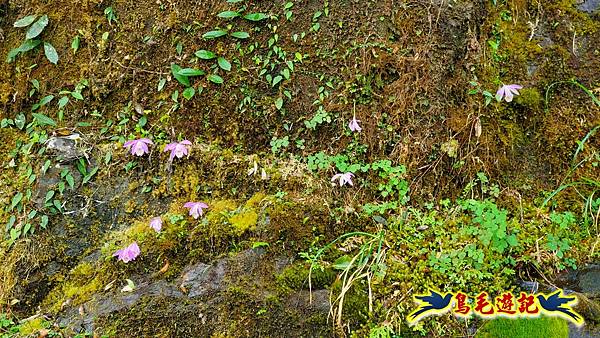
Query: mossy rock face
(402, 68)
(236, 295)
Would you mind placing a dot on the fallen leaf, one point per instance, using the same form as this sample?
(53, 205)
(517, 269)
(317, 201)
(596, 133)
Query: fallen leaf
(477, 127)
(164, 268)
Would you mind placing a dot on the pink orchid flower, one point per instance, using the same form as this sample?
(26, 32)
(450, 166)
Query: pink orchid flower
(156, 224)
(353, 125)
(128, 254)
(178, 149)
(343, 178)
(138, 147)
(196, 208)
(507, 92)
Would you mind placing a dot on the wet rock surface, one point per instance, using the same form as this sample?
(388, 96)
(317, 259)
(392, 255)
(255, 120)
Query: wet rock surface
(199, 289)
(585, 284)
(588, 5)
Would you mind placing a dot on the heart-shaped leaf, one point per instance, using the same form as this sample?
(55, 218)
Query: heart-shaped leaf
(191, 72)
(77, 95)
(240, 35)
(184, 80)
(11, 222)
(224, 64)
(24, 22)
(44, 222)
(205, 54)
(37, 28)
(50, 52)
(228, 14)
(16, 200)
(279, 103)
(255, 16)
(189, 92)
(277, 79)
(214, 34)
(14, 234)
(215, 78)
(43, 120)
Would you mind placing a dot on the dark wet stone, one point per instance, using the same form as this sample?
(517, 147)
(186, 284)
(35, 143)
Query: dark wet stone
(202, 278)
(583, 331)
(589, 6)
(589, 281)
(65, 149)
(199, 283)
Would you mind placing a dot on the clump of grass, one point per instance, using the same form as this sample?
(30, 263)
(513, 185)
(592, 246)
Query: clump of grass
(547, 327)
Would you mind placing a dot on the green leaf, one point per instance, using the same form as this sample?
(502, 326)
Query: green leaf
(37, 28)
(290, 65)
(228, 14)
(107, 157)
(50, 52)
(214, 34)
(26, 228)
(205, 54)
(161, 84)
(279, 103)
(14, 234)
(24, 22)
(20, 121)
(89, 176)
(11, 222)
(191, 72)
(75, 44)
(276, 80)
(12, 55)
(184, 80)
(28, 45)
(255, 16)
(43, 120)
(46, 99)
(189, 92)
(143, 121)
(77, 95)
(57, 205)
(70, 181)
(16, 200)
(223, 63)
(44, 222)
(259, 244)
(240, 35)
(342, 263)
(215, 78)
(49, 196)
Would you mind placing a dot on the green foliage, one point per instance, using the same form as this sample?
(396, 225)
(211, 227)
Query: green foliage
(277, 144)
(110, 15)
(31, 38)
